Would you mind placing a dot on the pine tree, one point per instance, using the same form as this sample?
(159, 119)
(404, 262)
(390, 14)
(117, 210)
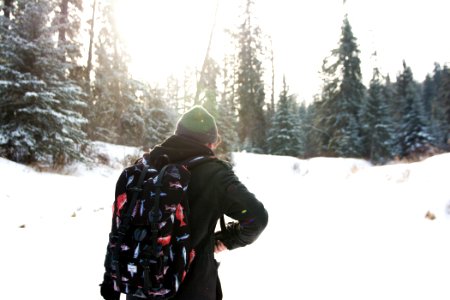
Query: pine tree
(306, 132)
(159, 118)
(389, 94)
(436, 100)
(227, 124)
(318, 141)
(283, 137)
(227, 113)
(250, 85)
(67, 22)
(7, 8)
(112, 112)
(429, 94)
(132, 125)
(188, 97)
(39, 120)
(376, 123)
(414, 134)
(223, 112)
(441, 108)
(342, 96)
(208, 87)
(159, 125)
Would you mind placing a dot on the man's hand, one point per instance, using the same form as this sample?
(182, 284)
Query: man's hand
(226, 239)
(107, 290)
(219, 247)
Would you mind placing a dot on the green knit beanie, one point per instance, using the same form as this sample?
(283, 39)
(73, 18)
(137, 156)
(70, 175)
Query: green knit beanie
(197, 124)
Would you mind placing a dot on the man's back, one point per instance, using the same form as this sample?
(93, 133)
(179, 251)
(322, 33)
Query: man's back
(214, 190)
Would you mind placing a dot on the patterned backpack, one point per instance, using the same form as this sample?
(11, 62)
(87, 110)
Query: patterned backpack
(149, 244)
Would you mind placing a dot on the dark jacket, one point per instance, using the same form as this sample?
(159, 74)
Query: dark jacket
(214, 190)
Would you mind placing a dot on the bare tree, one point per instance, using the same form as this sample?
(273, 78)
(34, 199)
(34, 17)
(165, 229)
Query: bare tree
(205, 60)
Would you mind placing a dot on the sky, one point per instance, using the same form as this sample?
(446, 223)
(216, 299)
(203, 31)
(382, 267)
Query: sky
(338, 228)
(166, 37)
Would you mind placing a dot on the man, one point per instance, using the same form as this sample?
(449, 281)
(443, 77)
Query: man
(214, 190)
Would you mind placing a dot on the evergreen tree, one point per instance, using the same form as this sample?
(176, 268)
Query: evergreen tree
(188, 97)
(318, 137)
(173, 96)
(389, 94)
(159, 125)
(435, 94)
(227, 124)
(441, 108)
(39, 119)
(159, 118)
(112, 115)
(306, 131)
(414, 135)
(376, 123)
(429, 94)
(283, 137)
(132, 125)
(342, 96)
(227, 113)
(250, 85)
(208, 86)
(7, 7)
(223, 112)
(67, 22)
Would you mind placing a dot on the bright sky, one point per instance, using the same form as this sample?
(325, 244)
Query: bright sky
(165, 37)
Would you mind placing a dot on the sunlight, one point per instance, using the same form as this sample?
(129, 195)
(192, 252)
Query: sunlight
(164, 37)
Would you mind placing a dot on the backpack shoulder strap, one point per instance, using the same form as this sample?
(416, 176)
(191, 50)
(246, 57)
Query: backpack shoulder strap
(123, 227)
(154, 213)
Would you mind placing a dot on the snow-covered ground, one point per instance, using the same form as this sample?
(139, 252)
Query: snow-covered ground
(338, 229)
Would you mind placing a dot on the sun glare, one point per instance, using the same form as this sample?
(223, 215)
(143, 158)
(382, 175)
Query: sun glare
(168, 37)
(164, 37)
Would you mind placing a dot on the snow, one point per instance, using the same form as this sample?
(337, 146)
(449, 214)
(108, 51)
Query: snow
(6, 82)
(338, 229)
(31, 95)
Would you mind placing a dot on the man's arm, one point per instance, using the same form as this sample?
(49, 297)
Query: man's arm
(250, 216)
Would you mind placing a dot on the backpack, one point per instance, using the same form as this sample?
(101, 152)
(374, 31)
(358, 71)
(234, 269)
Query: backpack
(150, 243)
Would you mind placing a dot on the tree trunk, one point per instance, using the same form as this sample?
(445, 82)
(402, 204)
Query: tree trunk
(7, 8)
(272, 95)
(91, 42)
(205, 61)
(63, 21)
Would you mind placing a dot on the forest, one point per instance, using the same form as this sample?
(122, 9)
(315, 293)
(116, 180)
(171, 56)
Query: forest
(60, 89)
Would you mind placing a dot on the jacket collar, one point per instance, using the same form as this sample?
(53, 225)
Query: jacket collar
(179, 148)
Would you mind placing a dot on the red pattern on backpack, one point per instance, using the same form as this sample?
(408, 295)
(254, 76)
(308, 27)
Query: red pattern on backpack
(121, 200)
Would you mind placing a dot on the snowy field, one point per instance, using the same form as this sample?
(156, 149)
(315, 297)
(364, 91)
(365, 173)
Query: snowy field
(338, 229)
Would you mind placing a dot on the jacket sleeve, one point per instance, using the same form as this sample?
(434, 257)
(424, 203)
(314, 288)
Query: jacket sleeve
(238, 203)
